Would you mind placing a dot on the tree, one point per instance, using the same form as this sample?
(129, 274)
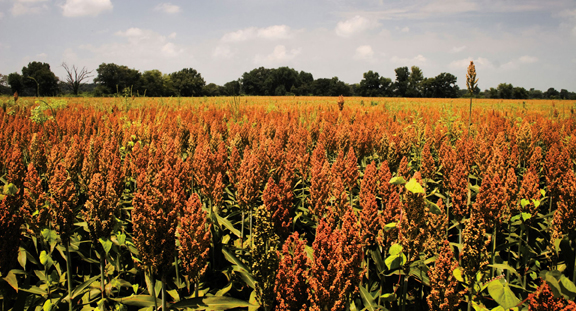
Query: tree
(114, 78)
(551, 93)
(564, 94)
(401, 84)
(520, 93)
(537, 94)
(491, 93)
(305, 80)
(187, 82)
(37, 76)
(74, 77)
(505, 90)
(4, 88)
(372, 85)
(232, 88)
(154, 84)
(442, 86)
(415, 82)
(211, 90)
(254, 82)
(15, 82)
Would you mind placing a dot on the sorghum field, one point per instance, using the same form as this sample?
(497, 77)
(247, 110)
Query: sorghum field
(287, 203)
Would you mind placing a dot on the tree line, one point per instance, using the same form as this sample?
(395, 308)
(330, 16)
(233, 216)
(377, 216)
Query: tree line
(37, 79)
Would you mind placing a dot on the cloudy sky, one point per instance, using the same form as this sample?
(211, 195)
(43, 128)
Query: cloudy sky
(529, 43)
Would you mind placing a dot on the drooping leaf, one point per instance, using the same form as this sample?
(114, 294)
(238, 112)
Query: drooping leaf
(11, 279)
(106, 244)
(367, 299)
(398, 180)
(79, 290)
(22, 257)
(213, 303)
(414, 187)
(390, 226)
(502, 294)
(142, 301)
(458, 274)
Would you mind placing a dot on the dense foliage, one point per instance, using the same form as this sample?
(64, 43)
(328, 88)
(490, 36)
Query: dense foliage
(287, 204)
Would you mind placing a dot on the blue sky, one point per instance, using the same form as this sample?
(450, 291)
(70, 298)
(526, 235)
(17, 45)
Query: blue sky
(524, 42)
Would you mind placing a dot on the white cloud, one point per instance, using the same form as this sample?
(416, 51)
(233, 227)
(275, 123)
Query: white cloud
(528, 59)
(42, 57)
(405, 29)
(354, 25)
(28, 7)
(457, 49)
(449, 7)
(416, 60)
(364, 52)
(269, 33)
(75, 8)
(172, 36)
(167, 7)
(141, 48)
(280, 54)
(462, 64)
(222, 51)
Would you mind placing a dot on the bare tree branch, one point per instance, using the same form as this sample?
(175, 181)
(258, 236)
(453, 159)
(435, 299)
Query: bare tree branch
(75, 77)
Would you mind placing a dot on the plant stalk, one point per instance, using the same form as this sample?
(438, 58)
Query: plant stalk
(69, 276)
(163, 293)
(102, 275)
(404, 291)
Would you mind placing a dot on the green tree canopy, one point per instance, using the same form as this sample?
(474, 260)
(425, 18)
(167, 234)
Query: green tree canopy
(40, 79)
(114, 78)
(187, 82)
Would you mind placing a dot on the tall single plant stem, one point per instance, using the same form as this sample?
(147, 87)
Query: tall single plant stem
(69, 276)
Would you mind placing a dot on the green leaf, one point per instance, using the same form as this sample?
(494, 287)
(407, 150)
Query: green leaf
(224, 290)
(414, 187)
(526, 216)
(389, 297)
(367, 299)
(12, 280)
(536, 203)
(213, 303)
(395, 261)
(121, 238)
(397, 180)
(79, 290)
(45, 259)
(543, 192)
(106, 244)
(504, 267)
(389, 226)
(239, 267)
(22, 257)
(47, 305)
(458, 274)
(226, 223)
(395, 249)
(524, 202)
(502, 294)
(378, 260)
(138, 301)
(135, 287)
(568, 288)
(10, 189)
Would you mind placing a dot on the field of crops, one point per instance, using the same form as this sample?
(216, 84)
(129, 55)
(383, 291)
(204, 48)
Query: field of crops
(287, 203)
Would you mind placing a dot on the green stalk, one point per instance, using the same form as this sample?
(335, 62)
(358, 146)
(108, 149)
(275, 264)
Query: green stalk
(69, 276)
(163, 293)
(404, 291)
(242, 232)
(494, 249)
(102, 275)
(470, 294)
(177, 270)
(153, 281)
